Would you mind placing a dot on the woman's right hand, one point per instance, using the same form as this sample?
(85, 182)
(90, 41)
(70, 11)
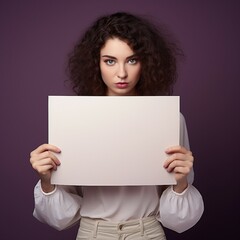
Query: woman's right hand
(44, 162)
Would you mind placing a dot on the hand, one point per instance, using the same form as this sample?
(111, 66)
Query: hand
(44, 161)
(180, 162)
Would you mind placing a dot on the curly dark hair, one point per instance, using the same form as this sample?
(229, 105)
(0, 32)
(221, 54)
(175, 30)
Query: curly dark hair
(155, 51)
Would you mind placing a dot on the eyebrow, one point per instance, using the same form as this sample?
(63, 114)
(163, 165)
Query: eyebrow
(112, 57)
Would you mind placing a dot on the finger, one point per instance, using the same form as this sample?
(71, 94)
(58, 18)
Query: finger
(38, 165)
(44, 155)
(45, 147)
(44, 170)
(178, 153)
(179, 149)
(49, 154)
(180, 156)
(173, 157)
(170, 164)
(181, 170)
(179, 163)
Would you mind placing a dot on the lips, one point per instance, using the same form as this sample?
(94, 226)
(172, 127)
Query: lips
(121, 85)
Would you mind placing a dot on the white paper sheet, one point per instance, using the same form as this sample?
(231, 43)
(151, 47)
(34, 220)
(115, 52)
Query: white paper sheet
(113, 140)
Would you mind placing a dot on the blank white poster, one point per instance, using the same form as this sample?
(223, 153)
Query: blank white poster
(113, 141)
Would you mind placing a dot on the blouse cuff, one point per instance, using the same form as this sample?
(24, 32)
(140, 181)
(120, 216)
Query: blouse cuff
(182, 193)
(48, 193)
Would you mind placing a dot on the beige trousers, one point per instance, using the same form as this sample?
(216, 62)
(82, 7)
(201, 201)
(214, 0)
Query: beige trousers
(142, 229)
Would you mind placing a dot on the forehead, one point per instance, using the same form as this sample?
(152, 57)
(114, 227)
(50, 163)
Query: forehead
(116, 47)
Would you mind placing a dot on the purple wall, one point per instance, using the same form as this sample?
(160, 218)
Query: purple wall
(35, 39)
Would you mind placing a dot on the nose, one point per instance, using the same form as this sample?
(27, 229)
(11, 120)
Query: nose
(122, 72)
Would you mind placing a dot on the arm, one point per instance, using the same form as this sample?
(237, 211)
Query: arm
(180, 211)
(58, 206)
(181, 206)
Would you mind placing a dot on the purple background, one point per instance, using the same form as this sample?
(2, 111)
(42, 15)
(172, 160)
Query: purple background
(36, 37)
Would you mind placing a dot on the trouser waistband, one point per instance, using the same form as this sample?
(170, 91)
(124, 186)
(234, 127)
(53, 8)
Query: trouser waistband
(122, 227)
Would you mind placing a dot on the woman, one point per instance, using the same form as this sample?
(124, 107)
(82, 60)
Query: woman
(121, 55)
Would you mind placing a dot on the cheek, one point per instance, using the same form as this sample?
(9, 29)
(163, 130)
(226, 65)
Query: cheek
(102, 70)
(105, 78)
(136, 73)
(105, 73)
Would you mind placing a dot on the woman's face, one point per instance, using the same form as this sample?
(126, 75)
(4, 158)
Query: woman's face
(120, 68)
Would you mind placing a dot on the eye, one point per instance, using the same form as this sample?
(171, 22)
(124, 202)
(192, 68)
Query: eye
(109, 62)
(133, 61)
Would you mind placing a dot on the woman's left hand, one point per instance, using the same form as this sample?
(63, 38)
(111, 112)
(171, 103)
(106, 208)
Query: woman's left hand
(180, 162)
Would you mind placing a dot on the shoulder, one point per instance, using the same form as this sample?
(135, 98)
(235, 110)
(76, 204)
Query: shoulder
(182, 119)
(184, 141)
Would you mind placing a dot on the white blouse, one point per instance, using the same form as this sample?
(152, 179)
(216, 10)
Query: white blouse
(64, 206)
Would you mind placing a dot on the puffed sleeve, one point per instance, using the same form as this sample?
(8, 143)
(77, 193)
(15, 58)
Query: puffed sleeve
(181, 211)
(60, 208)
